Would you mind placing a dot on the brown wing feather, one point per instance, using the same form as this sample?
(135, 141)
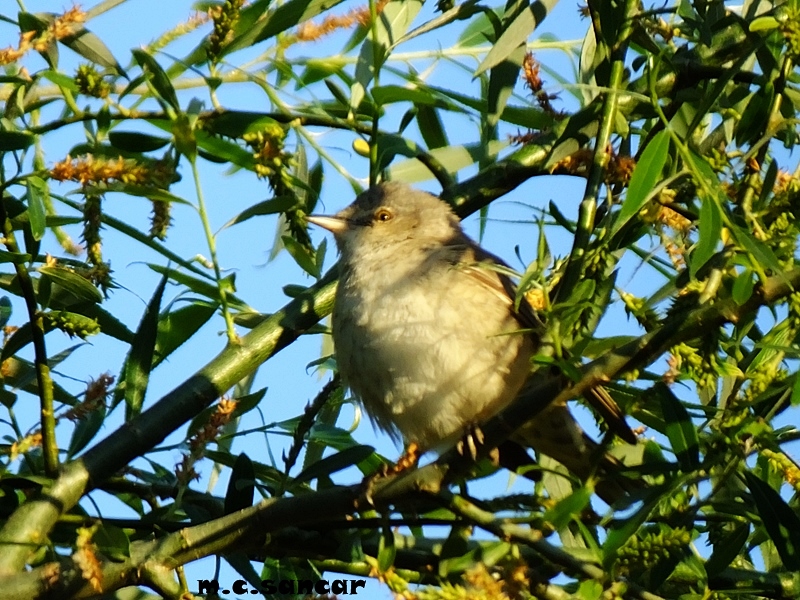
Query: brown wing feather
(598, 397)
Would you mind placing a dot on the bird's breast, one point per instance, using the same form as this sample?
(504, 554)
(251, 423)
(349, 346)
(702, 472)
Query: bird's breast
(428, 356)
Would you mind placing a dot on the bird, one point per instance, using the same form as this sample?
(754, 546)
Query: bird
(429, 334)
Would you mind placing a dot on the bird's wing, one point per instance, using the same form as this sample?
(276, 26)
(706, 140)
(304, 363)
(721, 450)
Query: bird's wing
(481, 263)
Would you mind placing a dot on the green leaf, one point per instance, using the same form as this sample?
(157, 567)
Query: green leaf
(73, 283)
(502, 80)
(780, 521)
(61, 80)
(139, 361)
(331, 464)
(680, 430)
(394, 21)
(431, 127)
(39, 23)
(644, 178)
(5, 310)
(143, 191)
(761, 253)
(178, 326)
(265, 207)
(515, 34)
(743, 287)
(241, 486)
(224, 150)
(301, 255)
(38, 193)
(795, 398)
(764, 24)
(133, 141)
(479, 31)
(21, 337)
(453, 158)
(386, 550)
(92, 48)
(727, 549)
(390, 94)
(285, 16)
(709, 235)
(159, 79)
(237, 123)
(15, 140)
(112, 542)
(201, 286)
(86, 430)
(568, 508)
(109, 324)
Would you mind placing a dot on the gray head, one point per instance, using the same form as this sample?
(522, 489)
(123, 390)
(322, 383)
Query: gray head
(390, 218)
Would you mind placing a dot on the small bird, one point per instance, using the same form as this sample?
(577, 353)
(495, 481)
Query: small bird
(426, 332)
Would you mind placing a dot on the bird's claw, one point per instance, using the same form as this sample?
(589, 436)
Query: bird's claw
(472, 439)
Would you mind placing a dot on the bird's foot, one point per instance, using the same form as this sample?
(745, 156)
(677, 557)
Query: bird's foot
(473, 438)
(409, 459)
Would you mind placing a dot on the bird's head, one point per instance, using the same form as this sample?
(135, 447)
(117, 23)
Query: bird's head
(389, 218)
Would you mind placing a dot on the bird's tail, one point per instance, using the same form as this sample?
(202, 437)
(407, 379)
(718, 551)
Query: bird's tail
(556, 433)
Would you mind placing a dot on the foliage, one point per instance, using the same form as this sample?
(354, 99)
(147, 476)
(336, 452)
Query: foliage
(682, 122)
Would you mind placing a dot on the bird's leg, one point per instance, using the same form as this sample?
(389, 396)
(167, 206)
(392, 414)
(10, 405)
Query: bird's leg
(470, 442)
(408, 459)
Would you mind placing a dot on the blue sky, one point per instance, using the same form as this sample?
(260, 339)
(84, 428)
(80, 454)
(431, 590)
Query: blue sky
(245, 248)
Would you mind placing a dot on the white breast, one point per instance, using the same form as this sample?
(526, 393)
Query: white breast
(428, 360)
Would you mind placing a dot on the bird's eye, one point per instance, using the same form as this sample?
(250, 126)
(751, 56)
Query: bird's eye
(383, 215)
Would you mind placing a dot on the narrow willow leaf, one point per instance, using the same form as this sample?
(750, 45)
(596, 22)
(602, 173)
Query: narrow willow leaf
(92, 48)
(763, 254)
(453, 158)
(331, 464)
(301, 255)
(386, 550)
(568, 508)
(86, 430)
(479, 31)
(516, 34)
(5, 310)
(160, 80)
(38, 194)
(502, 80)
(710, 232)
(727, 549)
(76, 285)
(265, 207)
(431, 127)
(680, 430)
(236, 123)
(617, 536)
(241, 485)
(139, 362)
(133, 141)
(743, 287)
(644, 178)
(113, 542)
(14, 140)
(780, 521)
(177, 327)
(61, 80)
(201, 286)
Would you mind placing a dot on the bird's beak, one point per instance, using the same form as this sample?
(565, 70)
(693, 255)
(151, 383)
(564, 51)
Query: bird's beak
(334, 224)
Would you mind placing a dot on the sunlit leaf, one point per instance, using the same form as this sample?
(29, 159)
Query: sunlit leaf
(644, 177)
